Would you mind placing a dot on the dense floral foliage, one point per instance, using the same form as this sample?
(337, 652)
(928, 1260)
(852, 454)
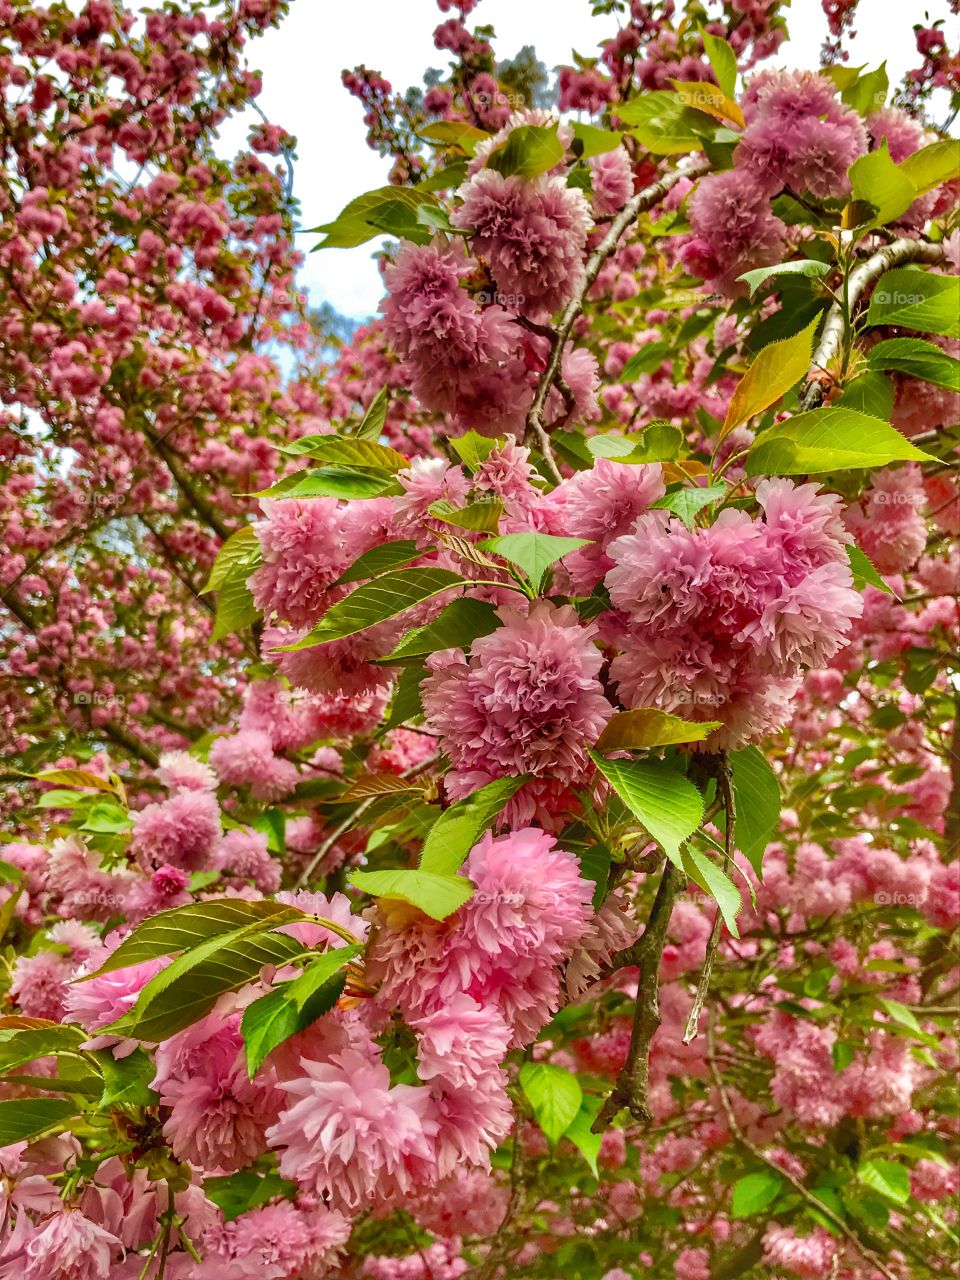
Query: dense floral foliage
(542, 858)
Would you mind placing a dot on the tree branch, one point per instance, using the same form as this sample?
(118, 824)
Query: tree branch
(637, 204)
(861, 279)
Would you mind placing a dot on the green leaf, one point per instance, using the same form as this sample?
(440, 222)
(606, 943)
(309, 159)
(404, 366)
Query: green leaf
(454, 133)
(170, 932)
(879, 182)
(318, 972)
(754, 1192)
(461, 622)
(381, 559)
(459, 828)
(932, 166)
(554, 1094)
(756, 797)
(648, 359)
(349, 483)
(22, 1119)
(23, 1044)
(235, 607)
(889, 1179)
(473, 449)
(373, 420)
(406, 698)
(293, 1006)
(716, 882)
(831, 439)
(723, 60)
(775, 370)
(376, 601)
(918, 359)
(126, 1081)
(664, 124)
(919, 300)
(238, 1193)
(595, 862)
(658, 442)
(868, 92)
(106, 817)
(687, 503)
(800, 267)
(843, 1054)
(529, 150)
(177, 983)
(387, 210)
(347, 451)
(240, 551)
(482, 516)
(871, 393)
(437, 896)
(533, 553)
(646, 727)
(192, 990)
(579, 1132)
(864, 571)
(589, 141)
(668, 804)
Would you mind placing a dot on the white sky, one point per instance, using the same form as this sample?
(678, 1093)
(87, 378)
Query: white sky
(302, 60)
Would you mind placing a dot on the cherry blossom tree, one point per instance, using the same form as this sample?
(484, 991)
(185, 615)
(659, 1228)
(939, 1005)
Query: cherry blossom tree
(561, 876)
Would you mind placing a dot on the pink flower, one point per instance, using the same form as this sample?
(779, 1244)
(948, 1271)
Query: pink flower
(811, 1257)
(180, 831)
(461, 1043)
(434, 324)
(532, 235)
(347, 1136)
(243, 853)
(426, 481)
(179, 771)
(97, 1002)
(600, 504)
(39, 984)
(337, 907)
(530, 910)
(219, 1117)
(247, 758)
(274, 1242)
(612, 178)
(733, 227)
(527, 701)
(68, 1246)
(303, 555)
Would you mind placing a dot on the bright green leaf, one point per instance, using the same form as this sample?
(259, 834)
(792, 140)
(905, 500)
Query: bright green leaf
(22, 1119)
(755, 1192)
(918, 359)
(716, 882)
(437, 896)
(347, 451)
(482, 516)
(879, 182)
(380, 559)
(914, 299)
(799, 267)
(240, 551)
(376, 601)
(889, 1179)
(580, 1133)
(533, 553)
(529, 150)
(831, 439)
(756, 796)
(235, 607)
(461, 622)
(933, 165)
(687, 503)
(864, 571)
(459, 828)
(775, 370)
(648, 359)
(723, 60)
(646, 727)
(554, 1094)
(667, 803)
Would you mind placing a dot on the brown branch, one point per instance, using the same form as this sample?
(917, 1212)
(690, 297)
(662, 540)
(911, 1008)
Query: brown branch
(822, 1208)
(630, 1088)
(861, 279)
(637, 204)
(725, 787)
(203, 508)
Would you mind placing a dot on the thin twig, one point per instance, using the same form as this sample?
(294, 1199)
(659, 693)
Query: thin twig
(861, 278)
(713, 942)
(758, 1154)
(637, 204)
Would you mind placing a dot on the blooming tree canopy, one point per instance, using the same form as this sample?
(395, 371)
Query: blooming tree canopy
(484, 790)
